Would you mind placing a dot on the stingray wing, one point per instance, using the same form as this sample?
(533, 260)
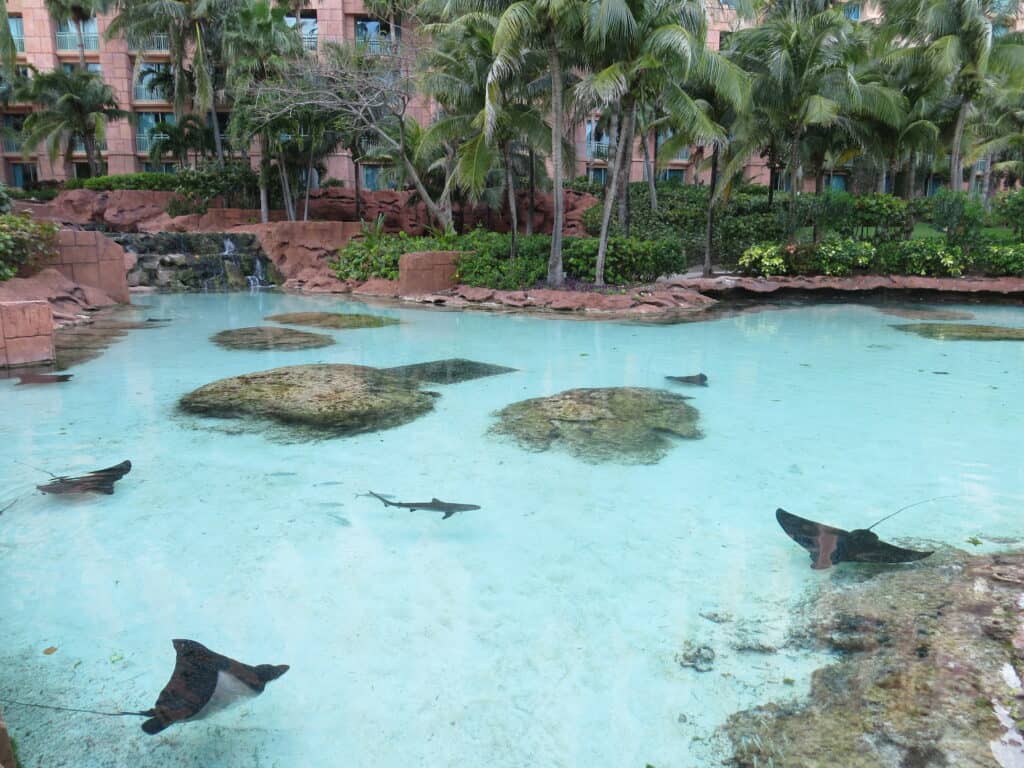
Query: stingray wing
(820, 540)
(881, 552)
(192, 683)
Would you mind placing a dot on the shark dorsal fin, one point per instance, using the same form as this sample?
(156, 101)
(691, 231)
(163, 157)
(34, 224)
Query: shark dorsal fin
(435, 500)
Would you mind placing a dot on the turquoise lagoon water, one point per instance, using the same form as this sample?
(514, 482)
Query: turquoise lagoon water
(542, 629)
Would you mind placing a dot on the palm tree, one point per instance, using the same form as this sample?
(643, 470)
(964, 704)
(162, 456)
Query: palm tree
(73, 107)
(643, 51)
(258, 46)
(193, 28)
(79, 12)
(804, 63)
(190, 134)
(960, 40)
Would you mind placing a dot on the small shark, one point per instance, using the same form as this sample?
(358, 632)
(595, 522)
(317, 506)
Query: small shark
(434, 505)
(698, 379)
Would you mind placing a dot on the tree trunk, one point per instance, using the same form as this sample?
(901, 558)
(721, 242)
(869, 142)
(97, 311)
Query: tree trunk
(794, 176)
(882, 180)
(555, 274)
(309, 180)
(710, 227)
(648, 165)
(819, 178)
(359, 191)
(286, 190)
(627, 133)
(956, 170)
(531, 207)
(611, 192)
(81, 43)
(773, 180)
(264, 178)
(90, 155)
(986, 188)
(217, 141)
(513, 214)
(912, 177)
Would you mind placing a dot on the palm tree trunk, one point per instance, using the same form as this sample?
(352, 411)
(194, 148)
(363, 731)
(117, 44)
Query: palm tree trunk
(286, 190)
(264, 178)
(555, 274)
(90, 155)
(912, 177)
(956, 169)
(309, 181)
(794, 176)
(358, 188)
(510, 188)
(819, 178)
(611, 192)
(986, 187)
(81, 43)
(710, 226)
(652, 190)
(531, 207)
(217, 140)
(773, 180)
(629, 125)
(882, 180)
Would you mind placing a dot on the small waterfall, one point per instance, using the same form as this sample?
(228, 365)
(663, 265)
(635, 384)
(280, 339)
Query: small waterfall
(258, 278)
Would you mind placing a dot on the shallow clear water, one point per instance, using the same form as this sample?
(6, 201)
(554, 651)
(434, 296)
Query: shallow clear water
(539, 630)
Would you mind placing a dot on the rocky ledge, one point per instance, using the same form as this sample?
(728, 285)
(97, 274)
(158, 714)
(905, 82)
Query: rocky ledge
(736, 284)
(928, 672)
(71, 303)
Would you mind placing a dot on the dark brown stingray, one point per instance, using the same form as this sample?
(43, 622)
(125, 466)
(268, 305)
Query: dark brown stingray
(830, 546)
(204, 682)
(100, 481)
(43, 378)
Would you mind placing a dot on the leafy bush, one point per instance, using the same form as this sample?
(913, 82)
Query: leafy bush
(5, 200)
(330, 181)
(163, 182)
(374, 254)
(180, 206)
(842, 256)
(583, 185)
(1000, 260)
(959, 216)
(40, 194)
(629, 259)
(236, 183)
(24, 241)
(1009, 208)
(764, 259)
(927, 257)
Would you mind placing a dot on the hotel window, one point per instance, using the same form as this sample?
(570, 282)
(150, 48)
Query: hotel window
(374, 35)
(598, 175)
(144, 124)
(11, 134)
(852, 11)
(17, 26)
(597, 141)
(307, 28)
(22, 174)
(152, 82)
(675, 175)
(90, 66)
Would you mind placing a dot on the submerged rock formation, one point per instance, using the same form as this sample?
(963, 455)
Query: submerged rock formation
(629, 425)
(452, 370)
(929, 655)
(962, 332)
(79, 343)
(269, 337)
(926, 313)
(333, 320)
(314, 400)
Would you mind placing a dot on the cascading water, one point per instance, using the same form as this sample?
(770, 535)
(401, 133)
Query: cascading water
(258, 278)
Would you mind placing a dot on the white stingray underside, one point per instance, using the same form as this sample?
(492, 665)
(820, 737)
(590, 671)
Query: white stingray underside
(229, 692)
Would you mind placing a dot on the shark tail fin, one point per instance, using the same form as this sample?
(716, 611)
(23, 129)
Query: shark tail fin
(381, 498)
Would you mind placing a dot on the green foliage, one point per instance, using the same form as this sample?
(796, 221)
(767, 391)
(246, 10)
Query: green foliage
(237, 184)
(629, 259)
(5, 200)
(1000, 260)
(927, 257)
(330, 181)
(374, 254)
(876, 217)
(583, 185)
(842, 256)
(41, 194)
(180, 206)
(959, 216)
(1009, 207)
(764, 259)
(24, 241)
(165, 182)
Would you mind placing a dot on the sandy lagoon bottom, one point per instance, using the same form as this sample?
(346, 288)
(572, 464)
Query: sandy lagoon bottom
(543, 629)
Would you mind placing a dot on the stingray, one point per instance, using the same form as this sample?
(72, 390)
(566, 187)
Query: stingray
(100, 481)
(203, 683)
(830, 546)
(43, 378)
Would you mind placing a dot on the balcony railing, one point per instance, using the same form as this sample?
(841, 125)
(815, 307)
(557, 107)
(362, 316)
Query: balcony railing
(144, 92)
(11, 144)
(144, 141)
(161, 41)
(19, 44)
(378, 45)
(79, 146)
(597, 150)
(68, 41)
(309, 41)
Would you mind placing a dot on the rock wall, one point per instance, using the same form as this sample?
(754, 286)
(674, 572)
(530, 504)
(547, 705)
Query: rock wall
(69, 301)
(196, 261)
(26, 334)
(90, 259)
(427, 272)
(301, 250)
(129, 210)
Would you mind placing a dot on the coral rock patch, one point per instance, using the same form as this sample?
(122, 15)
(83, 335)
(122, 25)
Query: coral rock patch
(263, 338)
(314, 400)
(628, 425)
(450, 371)
(962, 332)
(926, 313)
(339, 321)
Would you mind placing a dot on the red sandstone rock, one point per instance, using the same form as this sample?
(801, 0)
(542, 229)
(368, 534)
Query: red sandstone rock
(127, 208)
(66, 298)
(26, 332)
(298, 246)
(76, 206)
(378, 287)
(427, 272)
(476, 295)
(724, 283)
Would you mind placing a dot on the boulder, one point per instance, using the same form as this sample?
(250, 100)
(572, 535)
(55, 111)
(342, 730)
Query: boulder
(67, 298)
(313, 401)
(127, 209)
(264, 338)
(627, 425)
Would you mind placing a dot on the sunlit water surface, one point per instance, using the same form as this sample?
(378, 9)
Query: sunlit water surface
(541, 630)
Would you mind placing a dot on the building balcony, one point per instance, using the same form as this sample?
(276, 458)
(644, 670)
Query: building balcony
(158, 42)
(597, 150)
(19, 44)
(379, 46)
(79, 146)
(145, 93)
(12, 145)
(68, 41)
(144, 141)
(309, 42)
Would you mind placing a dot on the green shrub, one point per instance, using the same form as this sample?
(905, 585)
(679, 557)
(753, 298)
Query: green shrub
(927, 257)
(24, 241)
(842, 256)
(37, 194)
(181, 206)
(236, 183)
(629, 259)
(5, 200)
(1000, 260)
(734, 234)
(163, 182)
(583, 185)
(330, 181)
(764, 259)
(959, 216)
(1009, 207)
(374, 254)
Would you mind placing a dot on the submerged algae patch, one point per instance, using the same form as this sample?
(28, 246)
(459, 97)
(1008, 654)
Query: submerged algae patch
(263, 338)
(923, 651)
(334, 320)
(628, 425)
(926, 313)
(962, 332)
(314, 400)
(449, 371)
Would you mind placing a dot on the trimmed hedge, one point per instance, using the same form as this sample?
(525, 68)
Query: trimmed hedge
(24, 241)
(930, 257)
(161, 182)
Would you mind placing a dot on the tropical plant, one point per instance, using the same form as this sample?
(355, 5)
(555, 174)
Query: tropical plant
(179, 139)
(73, 111)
